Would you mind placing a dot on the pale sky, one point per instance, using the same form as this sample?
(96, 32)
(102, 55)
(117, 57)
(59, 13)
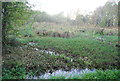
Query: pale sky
(67, 6)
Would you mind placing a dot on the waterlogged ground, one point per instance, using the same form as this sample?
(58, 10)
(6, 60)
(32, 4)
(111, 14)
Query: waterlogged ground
(48, 56)
(95, 50)
(73, 74)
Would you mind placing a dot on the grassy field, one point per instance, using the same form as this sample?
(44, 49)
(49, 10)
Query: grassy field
(84, 50)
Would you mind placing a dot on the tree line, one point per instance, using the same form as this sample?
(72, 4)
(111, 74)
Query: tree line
(104, 16)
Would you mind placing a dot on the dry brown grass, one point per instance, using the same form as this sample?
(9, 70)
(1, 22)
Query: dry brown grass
(45, 27)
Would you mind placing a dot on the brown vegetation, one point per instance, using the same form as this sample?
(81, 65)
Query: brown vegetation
(55, 34)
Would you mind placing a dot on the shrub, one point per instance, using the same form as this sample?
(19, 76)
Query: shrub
(55, 34)
(99, 31)
(67, 35)
(13, 42)
(14, 73)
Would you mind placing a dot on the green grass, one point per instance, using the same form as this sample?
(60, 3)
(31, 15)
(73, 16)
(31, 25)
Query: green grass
(100, 74)
(100, 54)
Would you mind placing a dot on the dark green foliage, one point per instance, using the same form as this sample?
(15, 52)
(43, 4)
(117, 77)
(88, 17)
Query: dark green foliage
(13, 42)
(14, 73)
(15, 14)
(100, 74)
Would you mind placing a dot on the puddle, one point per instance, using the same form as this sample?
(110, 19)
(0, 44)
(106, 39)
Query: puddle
(32, 43)
(52, 53)
(48, 52)
(67, 74)
(100, 39)
(85, 59)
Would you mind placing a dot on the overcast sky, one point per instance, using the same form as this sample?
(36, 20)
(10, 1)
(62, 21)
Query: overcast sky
(67, 6)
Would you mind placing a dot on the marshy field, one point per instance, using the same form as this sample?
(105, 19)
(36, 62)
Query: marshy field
(41, 54)
(55, 47)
